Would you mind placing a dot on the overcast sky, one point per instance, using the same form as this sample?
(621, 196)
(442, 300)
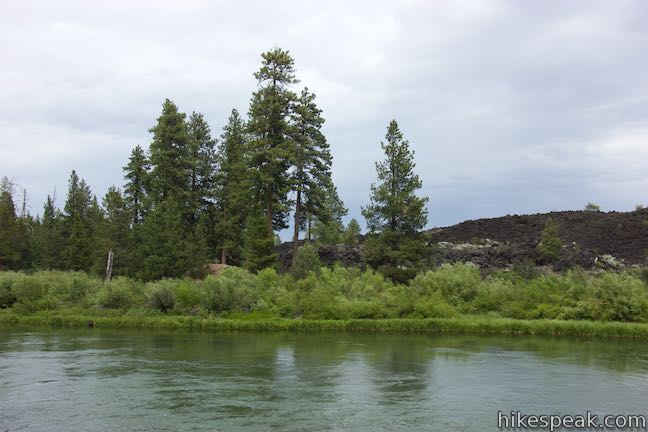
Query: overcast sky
(511, 107)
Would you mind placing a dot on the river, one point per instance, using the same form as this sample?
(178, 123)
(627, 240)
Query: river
(110, 380)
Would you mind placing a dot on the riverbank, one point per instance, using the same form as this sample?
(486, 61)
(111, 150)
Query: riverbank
(476, 325)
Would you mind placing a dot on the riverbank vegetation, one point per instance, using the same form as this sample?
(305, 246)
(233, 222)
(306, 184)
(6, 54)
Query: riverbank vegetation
(449, 291)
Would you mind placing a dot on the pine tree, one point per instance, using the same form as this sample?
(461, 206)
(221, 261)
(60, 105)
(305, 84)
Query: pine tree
(167, 246)
(311, 178)
(550, 244)
(170, 160)
(136, 175)
(396, 247)
(78, 225)
(13, 236)
(49, 241)
(202, 165)
(351, 234)
(271, 146)
(258, 243)
(115, 234)
(327, 217)
(232, 190)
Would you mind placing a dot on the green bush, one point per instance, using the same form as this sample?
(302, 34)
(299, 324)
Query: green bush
(120, 293)
(30, 289)
(7, 281)
(160, 295)
(189, 296)
(70, 288)
(234, 289)
(615, 297)
(457, 283)
(433, 306)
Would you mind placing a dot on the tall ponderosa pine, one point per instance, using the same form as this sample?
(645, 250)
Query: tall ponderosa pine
(271, 146)
(396, 247)
(13, 235)
(312, 163)
(136, 175)
(232, 190)
(78, 225)
(202, 165)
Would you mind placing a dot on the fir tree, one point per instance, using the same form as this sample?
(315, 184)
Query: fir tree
(232, 190)
(396, 247)
(258, 243)
(311, 178)
(327, 218)
(136, 175)
(550, 244)
(167, 246)
(170, 160)
(202, 165)
(351, 234)
(49, 239)
(78, 225)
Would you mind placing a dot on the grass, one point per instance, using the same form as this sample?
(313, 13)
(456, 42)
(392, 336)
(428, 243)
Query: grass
(473, 325)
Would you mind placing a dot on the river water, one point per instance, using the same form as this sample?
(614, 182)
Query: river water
(107, 380)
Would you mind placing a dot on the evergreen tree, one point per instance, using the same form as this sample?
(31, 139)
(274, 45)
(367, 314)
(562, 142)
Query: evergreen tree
(550, 244)
(327, 219)
(170, 160)
(13, 236)
(271, 145)
(311, 178)
(136, 175)
(258, 243)
(396, 247)
(202, 165)
(232, 190)
(77, 227)
(49, 241)
(351, 234)
(168, 247)
(115, 233)
(306, 260)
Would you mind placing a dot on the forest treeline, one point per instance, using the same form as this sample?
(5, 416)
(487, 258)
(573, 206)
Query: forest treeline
(191, 198)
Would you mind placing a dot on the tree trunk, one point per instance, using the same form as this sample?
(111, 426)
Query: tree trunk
(269, 210)
(297, 221)
(223, 259)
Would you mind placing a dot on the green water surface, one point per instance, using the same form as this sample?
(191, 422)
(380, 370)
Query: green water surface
(109, 380)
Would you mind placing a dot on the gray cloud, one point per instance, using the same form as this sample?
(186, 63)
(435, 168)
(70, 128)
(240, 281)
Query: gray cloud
(511, 107)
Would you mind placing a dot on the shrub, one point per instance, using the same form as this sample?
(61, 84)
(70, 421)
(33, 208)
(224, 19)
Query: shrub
(7, 280)
(234, 289)
(70, 287)
(306, 260)
(457, 283)
(592, 207)
(160, 295)
(30, 289)
(120, 293)
(433, 306)
(189, 296)
(615, 297)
